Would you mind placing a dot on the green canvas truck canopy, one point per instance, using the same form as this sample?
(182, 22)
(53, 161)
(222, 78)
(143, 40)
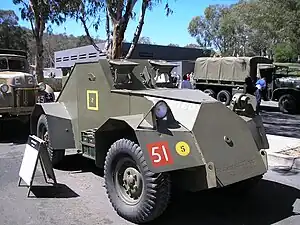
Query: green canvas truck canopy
(234, 69)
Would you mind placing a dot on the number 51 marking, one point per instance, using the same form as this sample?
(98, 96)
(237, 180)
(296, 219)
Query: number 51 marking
(160, 154)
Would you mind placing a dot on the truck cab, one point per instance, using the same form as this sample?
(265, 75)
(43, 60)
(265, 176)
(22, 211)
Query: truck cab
(19, 89)
(283, 86)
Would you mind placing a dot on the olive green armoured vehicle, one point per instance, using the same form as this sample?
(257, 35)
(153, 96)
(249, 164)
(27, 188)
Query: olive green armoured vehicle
(19, 90)
(222, 77)
(144, 136)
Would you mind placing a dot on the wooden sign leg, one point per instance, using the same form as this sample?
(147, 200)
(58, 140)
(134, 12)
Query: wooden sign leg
(43, 170)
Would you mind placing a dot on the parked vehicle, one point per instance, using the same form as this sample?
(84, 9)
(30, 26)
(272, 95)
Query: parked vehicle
(222, 77)
(145, 135)
(283, 86)
(19, 90)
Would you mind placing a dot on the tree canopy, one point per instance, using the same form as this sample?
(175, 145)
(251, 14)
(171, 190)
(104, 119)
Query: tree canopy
(254, 27)
(11, 34)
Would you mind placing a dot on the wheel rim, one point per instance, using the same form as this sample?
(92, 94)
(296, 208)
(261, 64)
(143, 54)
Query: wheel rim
(288, 104)
(128, 181)
(223, 98)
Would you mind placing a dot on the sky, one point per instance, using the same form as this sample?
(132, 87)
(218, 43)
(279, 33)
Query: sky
(161, 29)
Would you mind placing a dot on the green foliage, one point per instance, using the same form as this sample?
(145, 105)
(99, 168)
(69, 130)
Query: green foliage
(284, 52)
(174, 45)
(144, 40)
(254, 27)
(11, 34)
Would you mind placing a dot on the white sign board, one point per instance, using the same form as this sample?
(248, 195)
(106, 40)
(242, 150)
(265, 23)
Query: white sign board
(28, 164)
(35, 151)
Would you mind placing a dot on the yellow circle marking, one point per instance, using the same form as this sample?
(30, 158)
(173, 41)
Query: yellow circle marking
(182, 148)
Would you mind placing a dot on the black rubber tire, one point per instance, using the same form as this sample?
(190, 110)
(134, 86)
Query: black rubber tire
(156, 186)
(293, 104)
(226, 94)
(56, 155)
(210, 92)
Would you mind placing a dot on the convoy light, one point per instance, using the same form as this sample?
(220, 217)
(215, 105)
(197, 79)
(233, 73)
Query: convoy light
(42, 86)
(161, 109)
(4, 88)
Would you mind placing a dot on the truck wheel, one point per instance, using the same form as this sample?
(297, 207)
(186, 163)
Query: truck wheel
(56, 156)
(224, 96)
(137, 194)
(210, 92)
(287, 104)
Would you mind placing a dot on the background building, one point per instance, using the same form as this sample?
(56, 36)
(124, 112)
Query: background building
(65, 59)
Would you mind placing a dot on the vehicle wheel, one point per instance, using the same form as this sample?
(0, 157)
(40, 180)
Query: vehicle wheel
(57, 155)
(137, 194)
(210, 92)
(287, 104)
(224, 96)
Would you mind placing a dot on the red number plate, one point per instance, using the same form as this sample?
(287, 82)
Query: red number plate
(160, 154)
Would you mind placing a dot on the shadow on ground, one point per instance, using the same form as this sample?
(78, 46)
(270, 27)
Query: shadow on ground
(79, 164)
(268, 203)
(277, 123)
(52, 191)
(14, 132)
(285, 170)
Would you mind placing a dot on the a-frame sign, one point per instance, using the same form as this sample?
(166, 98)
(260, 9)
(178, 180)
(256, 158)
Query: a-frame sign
(35, 151)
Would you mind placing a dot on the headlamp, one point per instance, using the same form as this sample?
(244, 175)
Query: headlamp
(4, 88)
(160, 109)
(42, 86)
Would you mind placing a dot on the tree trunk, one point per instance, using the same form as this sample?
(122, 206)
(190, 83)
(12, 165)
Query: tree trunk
(138, 30)
(39, 59)
(116, 42)
(108, 35)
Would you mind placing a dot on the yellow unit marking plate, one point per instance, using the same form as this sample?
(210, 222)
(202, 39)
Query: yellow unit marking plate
(92, 100)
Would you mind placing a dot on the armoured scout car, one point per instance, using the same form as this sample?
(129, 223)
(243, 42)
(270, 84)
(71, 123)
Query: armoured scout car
(145, 136)
(222, 77)
(19, 90)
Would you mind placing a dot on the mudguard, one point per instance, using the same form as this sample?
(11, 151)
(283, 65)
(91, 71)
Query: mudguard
(174, 150)
(59, 121)
(285, 90)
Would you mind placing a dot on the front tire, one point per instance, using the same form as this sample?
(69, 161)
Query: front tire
(56, 156)
(137, 194)
(287, 104)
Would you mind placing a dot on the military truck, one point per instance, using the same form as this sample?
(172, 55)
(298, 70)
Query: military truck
(149, 138)
(283, 86)
(222, 77)
(19, 90)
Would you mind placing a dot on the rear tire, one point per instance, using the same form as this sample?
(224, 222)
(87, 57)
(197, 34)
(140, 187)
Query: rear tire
(56, 155)
(210, 92)
(137, 194)
(224, 96)
(287, 104)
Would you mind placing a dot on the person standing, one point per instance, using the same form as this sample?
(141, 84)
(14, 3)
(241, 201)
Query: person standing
(186, 84)
(260, 87)
(249, 87)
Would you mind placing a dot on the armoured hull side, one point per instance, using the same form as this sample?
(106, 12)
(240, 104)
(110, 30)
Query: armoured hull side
(222, 138)
(226, 140)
